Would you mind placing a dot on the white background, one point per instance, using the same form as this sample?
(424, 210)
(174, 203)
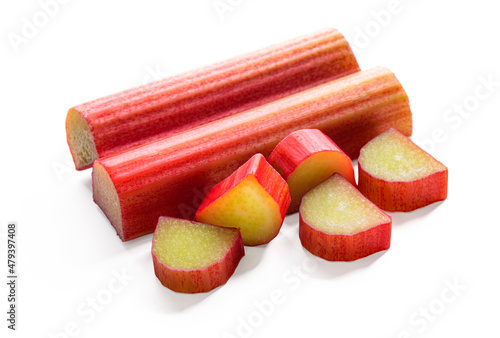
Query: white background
(444, 257)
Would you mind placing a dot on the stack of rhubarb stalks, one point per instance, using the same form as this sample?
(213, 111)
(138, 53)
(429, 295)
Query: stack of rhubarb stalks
(213, 159)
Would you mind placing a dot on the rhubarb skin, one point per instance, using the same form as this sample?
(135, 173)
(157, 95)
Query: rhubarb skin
(403, 194)
(171, 176)
(306, 158)
(345, 246)
(254, 199)
(113, 123)
(196, 280)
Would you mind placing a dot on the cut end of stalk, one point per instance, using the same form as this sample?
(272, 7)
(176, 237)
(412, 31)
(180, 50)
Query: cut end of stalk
(185, 245)
(249, 207)
(393, 157)
(106, 197)
(80, 140)
(306, 158)
(397, 175)
(336, 207)
(315, 170)
(192, 257)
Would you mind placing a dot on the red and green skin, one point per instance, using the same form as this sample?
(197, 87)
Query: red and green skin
(298, 147)
(170, 176)
(200, 280)
(403, 196)
(265, 174)
(178, 103)
(339, 247)
(292, 150)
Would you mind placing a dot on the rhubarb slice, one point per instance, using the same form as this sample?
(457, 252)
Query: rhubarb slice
(397, 175)
(254, 199)
(306, 158)
(338, 223)
(193, 257)
(104, 126)
(170, 176)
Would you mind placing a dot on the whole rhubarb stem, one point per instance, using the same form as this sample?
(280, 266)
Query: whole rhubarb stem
(170, 176)
(104, 126)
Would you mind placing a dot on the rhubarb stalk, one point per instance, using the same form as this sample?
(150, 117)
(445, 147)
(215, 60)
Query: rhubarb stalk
(306, 158)
(254, 199)
(397, 175)
(104, 126)
(193, 257)
(338, 223)
(170, 176)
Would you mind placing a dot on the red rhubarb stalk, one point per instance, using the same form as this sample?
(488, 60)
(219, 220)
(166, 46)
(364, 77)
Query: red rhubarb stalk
(338, 223)
(306, 158)
(192, 257)
(254, 199)
(170, 177)
(101, 127)
(397, 175)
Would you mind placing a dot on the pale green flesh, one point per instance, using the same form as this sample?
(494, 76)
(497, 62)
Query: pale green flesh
(336, 207)
(184, 245)
(391, 156)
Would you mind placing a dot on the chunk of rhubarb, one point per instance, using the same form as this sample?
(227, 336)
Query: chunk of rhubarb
(170, 176)
(254, 199)
(306, 158)
(397, 175)
(101, 127)
(194, 257)
(338, 223)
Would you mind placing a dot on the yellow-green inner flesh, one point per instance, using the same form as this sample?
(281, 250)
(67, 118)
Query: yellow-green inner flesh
(391, 156)
(184, 245)
(80, 139)
(106, 197)
(246, 206)
(314, 170)
(336, 207)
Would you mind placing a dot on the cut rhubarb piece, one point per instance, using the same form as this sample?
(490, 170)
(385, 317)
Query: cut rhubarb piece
(101, 127)
(194, 257)
(306, 158)
(397, 175)
(254, 199)
(171, 176)
(338, 223)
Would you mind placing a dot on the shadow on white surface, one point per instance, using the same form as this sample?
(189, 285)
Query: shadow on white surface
(175, 302)
(291, 220)
(143, 241)
(400, 218)
(330, 270)
(253, 256)
(87, 182)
